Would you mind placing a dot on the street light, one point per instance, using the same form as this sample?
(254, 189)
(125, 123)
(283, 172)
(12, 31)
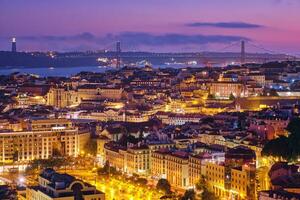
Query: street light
(21, 181)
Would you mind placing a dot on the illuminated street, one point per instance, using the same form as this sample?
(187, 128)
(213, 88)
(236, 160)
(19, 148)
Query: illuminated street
(116, 189)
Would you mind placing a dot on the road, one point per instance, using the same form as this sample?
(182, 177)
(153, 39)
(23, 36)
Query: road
(116, 189)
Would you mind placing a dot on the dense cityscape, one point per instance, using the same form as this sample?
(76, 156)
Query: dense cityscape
(112, 123)
(146, 133)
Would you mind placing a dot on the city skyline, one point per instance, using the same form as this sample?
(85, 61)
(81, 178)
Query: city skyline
(148, 100)
(160, 26)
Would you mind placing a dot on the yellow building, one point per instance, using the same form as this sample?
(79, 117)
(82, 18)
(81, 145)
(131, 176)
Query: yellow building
(134, 160)
(91, 91)
(177, 169)
(61, 97)
(101, 141)
(108, 115)
(225, 89)
(231, 183)
(115, 155)
(197, 167)
(24, 100)
(112, 115)
(158, 164)
(141, 159)
(50, 124)
(11, 125)
(215, 175)
(258, 78)
(239, 182)
(137, 160)
(41, 140)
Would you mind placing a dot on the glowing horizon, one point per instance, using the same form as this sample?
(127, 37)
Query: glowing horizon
(192, 25)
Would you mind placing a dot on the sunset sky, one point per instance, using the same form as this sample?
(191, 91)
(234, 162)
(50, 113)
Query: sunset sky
(150, 25)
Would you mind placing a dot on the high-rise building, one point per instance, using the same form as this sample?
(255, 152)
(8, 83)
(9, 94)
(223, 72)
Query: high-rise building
(13, 45)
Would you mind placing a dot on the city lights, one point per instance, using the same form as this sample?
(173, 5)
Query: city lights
(150, 100)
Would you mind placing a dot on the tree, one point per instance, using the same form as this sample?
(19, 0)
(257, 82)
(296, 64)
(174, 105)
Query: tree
(294, 139)
(104, 169)
(189, 195)
(91, 147)
(294, 126)
(207, 120)
(203, 187)
(56, 153)
(286, 148)
(125, 139)
(271, 92)
(278, 147)
(201, 184)
(242, 120)
(38, 164)
(211, 96)
(164, 185)
(208, 195)
(107, 169)
(231, 97)
(142, 181)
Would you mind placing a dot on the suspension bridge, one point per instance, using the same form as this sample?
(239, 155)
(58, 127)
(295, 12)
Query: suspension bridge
(239, 52)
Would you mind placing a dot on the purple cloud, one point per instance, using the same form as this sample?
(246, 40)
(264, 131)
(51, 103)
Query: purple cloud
(137, 41)
(235, 25)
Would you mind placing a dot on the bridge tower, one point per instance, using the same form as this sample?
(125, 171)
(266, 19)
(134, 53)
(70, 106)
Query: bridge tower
(118, 53)
(243, 52)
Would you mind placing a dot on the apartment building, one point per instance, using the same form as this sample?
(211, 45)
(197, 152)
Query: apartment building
(41, 139)
(231, 183)
(177, 169)
(132, 160)
(236, 177)
(50, 124)
(115, 155)
(197, 167)
(30, 145)
(158, 164)
(226, 89)
(138, 160)
(258, 78)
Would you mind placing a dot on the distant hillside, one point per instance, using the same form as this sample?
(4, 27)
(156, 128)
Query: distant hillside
(43, 60)
(72, 59)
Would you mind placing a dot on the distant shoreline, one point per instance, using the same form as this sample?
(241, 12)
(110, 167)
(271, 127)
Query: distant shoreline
(43, 67)
(52, 71)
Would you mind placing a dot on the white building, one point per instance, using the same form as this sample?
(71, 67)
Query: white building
(55, 186)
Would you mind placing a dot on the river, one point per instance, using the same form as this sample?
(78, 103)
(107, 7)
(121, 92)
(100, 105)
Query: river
(65, 71)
